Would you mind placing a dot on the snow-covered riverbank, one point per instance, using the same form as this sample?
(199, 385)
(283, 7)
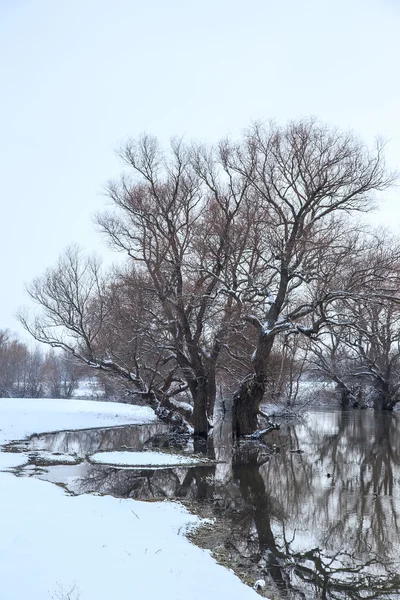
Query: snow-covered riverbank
(53, 545)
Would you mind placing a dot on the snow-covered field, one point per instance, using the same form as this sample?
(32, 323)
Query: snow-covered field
(87, 547)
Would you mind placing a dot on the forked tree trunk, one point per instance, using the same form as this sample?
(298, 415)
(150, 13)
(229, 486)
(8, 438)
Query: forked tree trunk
(178, 417)
(382, 402)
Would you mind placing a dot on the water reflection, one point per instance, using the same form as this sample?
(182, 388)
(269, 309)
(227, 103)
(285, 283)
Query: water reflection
(89, 441)
(320, 523)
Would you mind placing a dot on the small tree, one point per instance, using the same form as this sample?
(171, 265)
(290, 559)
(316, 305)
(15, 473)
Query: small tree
(358, 346)
(362, 355)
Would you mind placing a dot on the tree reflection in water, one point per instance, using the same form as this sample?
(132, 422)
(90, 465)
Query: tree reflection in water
(323, 523)
(89, 441)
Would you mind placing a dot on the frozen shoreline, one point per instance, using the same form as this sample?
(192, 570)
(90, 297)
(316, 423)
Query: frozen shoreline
(102, 546)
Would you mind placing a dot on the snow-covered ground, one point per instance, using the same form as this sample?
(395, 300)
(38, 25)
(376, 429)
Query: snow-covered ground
(11, 460)
(87, 547)
(20, 417)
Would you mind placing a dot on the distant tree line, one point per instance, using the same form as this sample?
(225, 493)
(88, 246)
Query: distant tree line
(31, 373)
(246, 264)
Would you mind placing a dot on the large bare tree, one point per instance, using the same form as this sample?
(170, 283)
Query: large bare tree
(184, 219)
(306, 177)
(228, 247)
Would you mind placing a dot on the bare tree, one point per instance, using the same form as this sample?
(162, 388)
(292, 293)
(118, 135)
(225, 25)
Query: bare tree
(21, 368)
(228, 248)
(362, 356)
(376, 341)
(305, 177)
(96, 320)
(358, 347)
(73, 301)
(180, 219)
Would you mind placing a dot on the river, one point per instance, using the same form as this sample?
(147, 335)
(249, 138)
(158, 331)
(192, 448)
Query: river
(314, 511)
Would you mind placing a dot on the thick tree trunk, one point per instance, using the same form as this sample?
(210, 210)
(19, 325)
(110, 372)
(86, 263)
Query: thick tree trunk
(383, 400)
(203, 390)
(179, 418)
(246, 406)
(200, 378)
(385, 397)
(200, 390)
(200, 421)
(247, 399)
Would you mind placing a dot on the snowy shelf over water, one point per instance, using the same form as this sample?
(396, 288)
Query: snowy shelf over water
(144, 459)
(55, 457)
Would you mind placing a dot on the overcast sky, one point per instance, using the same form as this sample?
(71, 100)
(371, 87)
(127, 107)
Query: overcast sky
(79, 76)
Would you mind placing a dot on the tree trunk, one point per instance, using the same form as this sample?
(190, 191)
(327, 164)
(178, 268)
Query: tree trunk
(200, 378)
(247, 399)
(384, 400)
(246, 406)
(211, 393)
(199, 389)
(347, 398)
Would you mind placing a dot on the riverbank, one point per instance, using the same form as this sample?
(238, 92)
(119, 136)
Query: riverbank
(92, 547)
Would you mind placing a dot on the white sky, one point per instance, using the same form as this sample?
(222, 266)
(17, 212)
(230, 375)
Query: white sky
(79, 76)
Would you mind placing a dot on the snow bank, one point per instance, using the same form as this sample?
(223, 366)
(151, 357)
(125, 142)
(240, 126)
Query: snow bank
(143, 459)
(20, 417)
(10, 460)
(107, 548)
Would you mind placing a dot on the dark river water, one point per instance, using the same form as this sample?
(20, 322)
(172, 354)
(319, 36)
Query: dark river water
(315, 511)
